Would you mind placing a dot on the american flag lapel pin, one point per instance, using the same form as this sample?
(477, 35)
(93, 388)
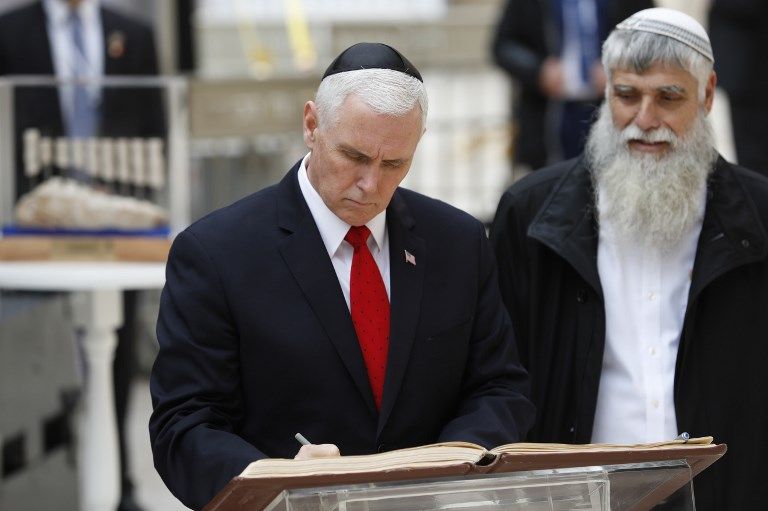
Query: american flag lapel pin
(409, 258)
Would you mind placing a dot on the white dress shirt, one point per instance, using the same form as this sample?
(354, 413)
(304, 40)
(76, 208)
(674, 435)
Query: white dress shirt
(64, 52)
(645, 293)
(333, 229)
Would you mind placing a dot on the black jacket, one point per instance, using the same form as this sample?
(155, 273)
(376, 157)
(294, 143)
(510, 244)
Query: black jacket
(545, 238)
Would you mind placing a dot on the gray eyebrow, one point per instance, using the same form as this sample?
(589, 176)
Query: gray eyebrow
(356, 152)
(351, 150)
(674, 89)
(624, 88)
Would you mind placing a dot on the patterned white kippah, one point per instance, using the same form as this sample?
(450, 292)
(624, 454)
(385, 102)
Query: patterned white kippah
(671, 23)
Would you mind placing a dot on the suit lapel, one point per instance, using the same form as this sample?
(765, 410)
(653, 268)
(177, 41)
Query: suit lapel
(407, 278)
(730, 220)
(38, 107)
(38, 47)
(317, 279)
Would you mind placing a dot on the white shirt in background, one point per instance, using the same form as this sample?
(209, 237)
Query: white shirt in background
(64, 52)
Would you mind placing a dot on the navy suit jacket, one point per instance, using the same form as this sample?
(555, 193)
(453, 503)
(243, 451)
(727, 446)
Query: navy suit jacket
(257, 342)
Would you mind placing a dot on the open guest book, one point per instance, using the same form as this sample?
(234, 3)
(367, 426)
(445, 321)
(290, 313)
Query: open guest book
(264, 479)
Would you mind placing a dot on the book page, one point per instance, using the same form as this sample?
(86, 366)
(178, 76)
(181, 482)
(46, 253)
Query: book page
(434, 455)
(524, 447)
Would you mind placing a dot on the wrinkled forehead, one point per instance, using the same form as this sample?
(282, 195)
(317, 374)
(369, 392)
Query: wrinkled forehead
(657, 76)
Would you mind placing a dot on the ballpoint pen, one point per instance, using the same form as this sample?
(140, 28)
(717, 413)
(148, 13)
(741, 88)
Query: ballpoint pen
(301, 439)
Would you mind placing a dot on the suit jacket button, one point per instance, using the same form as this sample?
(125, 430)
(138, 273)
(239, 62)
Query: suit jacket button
(581, 296)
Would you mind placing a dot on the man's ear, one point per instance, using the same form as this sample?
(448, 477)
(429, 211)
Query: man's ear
(309, 123)
(709, 92)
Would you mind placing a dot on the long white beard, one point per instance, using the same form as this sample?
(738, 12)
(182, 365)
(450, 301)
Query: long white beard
(646, 198)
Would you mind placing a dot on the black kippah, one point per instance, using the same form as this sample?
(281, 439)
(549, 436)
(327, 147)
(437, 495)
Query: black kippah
(372, 56)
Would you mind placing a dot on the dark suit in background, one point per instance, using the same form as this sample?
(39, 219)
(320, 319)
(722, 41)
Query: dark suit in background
(257, 342)
(25, 50)
(738, 30)
(527, 33)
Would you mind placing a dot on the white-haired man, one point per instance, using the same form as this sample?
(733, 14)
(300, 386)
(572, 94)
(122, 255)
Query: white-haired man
(636, 276)
(334, 304)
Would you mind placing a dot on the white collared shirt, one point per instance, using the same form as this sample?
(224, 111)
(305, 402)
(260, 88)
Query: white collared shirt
(64, 52)
(645, 294)
(333, 229)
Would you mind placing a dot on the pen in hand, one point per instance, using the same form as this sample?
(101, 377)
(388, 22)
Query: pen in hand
(301, 439)
(309, 450)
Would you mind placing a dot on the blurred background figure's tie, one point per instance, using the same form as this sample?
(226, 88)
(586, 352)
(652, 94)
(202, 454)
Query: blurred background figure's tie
(82, 122)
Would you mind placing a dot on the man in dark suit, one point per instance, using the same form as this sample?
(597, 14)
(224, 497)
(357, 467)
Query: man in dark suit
(264, 328)
(118, 45)
(542, 44)
(123, 47)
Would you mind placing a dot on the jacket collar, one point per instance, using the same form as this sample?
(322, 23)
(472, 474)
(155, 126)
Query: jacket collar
(732, 232)
(566, 222)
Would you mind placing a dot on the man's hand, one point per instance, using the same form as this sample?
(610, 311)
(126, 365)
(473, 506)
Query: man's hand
(317, 451)
(552, 77)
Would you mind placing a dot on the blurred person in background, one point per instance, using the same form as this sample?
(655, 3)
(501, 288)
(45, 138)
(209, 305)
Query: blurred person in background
(80, 39)
(636, 276)
(739, 33)
(551, 50)
(334, 304)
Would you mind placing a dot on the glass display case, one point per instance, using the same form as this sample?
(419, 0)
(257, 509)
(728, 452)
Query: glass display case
(637, 486)
(126, 177)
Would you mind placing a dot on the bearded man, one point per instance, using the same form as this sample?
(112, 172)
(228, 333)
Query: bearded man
(636, 275)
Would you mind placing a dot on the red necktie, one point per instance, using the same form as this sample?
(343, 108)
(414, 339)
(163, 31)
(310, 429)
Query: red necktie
(370, 309)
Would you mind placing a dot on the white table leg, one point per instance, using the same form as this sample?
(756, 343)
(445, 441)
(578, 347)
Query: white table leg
(98, 313)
